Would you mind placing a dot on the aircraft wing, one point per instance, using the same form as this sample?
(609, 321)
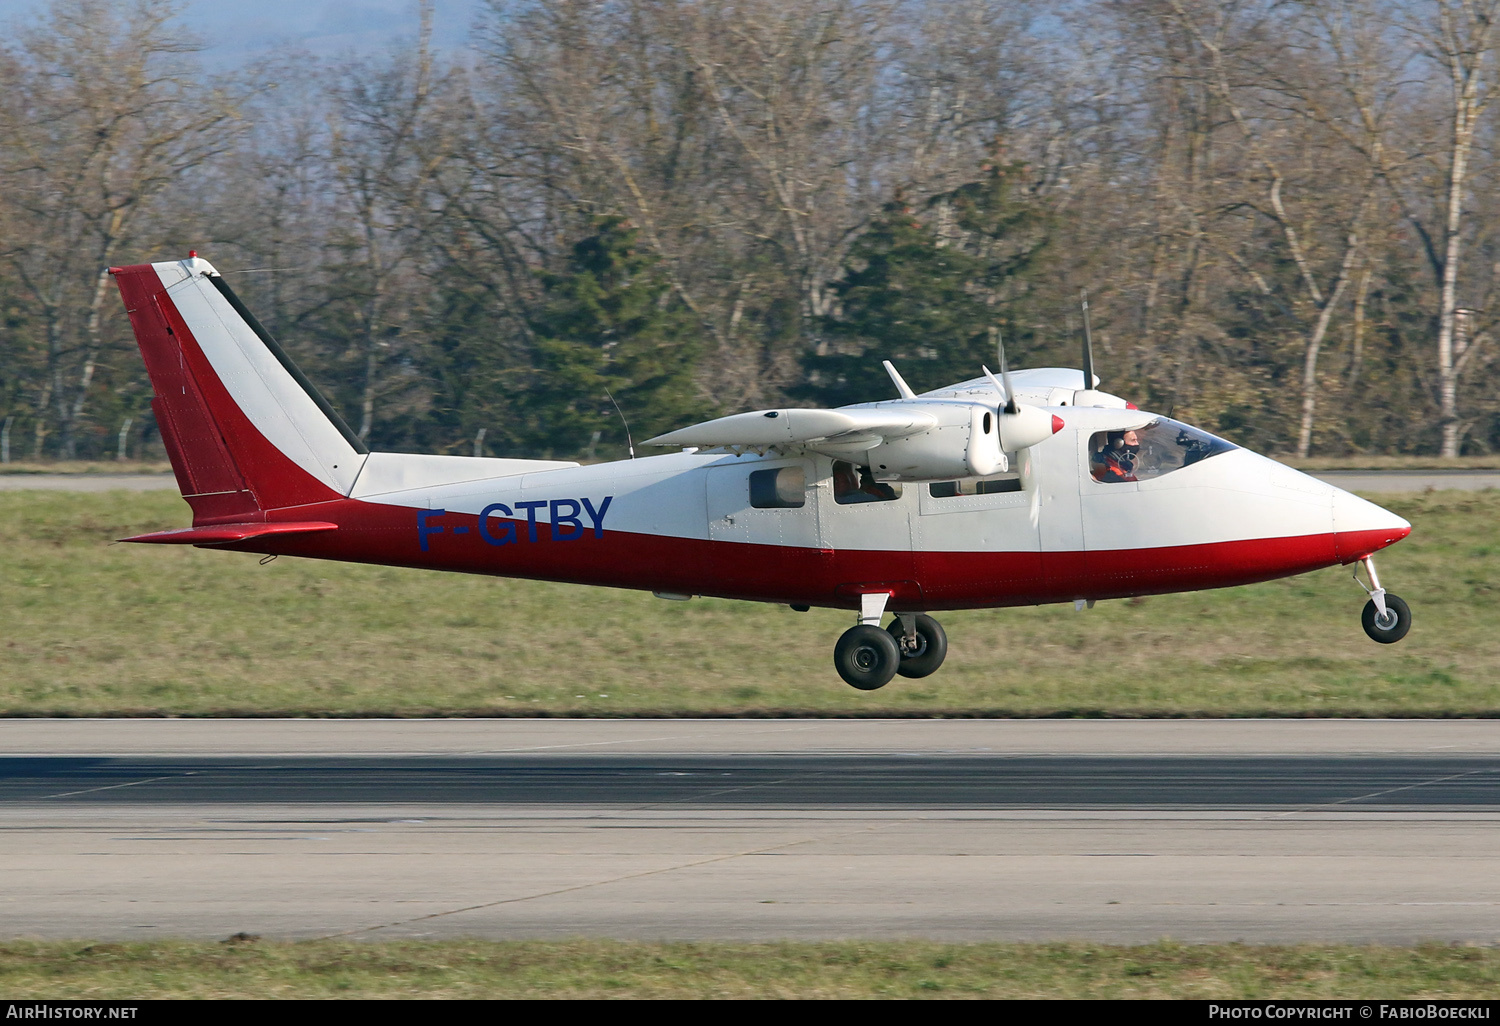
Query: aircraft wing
(799, 427)
(1037, 379)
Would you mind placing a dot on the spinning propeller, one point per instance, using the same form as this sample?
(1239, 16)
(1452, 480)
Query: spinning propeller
(1088, 395)
(1020, 426)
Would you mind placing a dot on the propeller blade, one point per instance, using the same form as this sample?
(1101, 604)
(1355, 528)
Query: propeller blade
(1088, 345)
(994, 381)
(1010, 392)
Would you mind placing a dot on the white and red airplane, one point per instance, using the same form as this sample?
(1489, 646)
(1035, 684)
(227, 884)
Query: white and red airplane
(986, 493)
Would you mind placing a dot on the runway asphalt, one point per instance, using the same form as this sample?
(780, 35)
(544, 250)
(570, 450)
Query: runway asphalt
(1114, 831)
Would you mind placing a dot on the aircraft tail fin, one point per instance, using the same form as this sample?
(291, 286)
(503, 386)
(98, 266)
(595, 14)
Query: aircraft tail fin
(245, 430)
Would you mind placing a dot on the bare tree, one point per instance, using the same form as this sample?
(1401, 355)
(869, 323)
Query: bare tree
(100, 111)
(1459, 36)
(1262, 90)
(380, 166)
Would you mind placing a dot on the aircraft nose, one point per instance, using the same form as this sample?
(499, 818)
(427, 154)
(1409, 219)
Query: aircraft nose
(1362, 527)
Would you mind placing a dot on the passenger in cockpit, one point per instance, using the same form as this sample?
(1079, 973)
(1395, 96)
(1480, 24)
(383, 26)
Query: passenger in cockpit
(854, 486)
(1116, 461)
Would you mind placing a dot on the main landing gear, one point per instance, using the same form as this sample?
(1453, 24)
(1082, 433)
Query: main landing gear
(867, 657)
(1386, 618)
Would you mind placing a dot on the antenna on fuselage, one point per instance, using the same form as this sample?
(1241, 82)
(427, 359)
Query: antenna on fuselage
(1088, 344)
(629, 444)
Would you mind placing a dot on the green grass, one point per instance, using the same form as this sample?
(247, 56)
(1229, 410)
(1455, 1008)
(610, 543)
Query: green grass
(94, 628)
(1316, 463)
(87, 467)
(850, 969)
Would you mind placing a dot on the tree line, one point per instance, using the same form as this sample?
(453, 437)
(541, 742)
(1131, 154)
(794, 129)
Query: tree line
(652, 211)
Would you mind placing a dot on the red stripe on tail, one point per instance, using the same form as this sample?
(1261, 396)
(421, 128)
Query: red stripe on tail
(228, 471)
(206, 473)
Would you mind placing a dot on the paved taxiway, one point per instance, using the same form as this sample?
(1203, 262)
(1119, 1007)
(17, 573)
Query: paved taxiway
(964, 829)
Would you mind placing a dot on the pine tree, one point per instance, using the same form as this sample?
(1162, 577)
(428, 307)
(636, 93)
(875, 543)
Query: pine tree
(477, 365)
(923, 290)
(609, 321)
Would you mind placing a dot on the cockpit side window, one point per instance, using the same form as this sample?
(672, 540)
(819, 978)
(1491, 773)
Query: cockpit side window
(853, 484)
(1159, 448)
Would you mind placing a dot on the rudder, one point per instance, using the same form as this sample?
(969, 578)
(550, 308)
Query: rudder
(246, 432)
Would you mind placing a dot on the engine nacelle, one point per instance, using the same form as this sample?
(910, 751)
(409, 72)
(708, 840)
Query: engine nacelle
(1026, 427)
(1094, 397)
(964, 443)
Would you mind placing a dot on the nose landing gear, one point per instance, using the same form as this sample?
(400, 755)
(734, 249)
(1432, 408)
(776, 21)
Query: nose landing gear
(1386, 617)
(867, 657)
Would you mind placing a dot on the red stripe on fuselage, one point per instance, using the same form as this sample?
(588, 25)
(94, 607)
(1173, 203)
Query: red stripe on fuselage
(372, 532)
(1355, 545)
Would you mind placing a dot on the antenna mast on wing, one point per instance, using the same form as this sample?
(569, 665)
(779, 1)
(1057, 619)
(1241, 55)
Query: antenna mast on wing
(1088, 344)
(896, 379)
(629, 443)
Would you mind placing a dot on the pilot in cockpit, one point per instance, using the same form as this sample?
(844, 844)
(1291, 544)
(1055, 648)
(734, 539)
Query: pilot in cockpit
(1116, 461)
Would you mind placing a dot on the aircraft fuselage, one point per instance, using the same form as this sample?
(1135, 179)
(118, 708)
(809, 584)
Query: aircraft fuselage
(684, 524)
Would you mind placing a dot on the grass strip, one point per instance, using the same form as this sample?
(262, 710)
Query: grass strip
(87, 467)
(842, 969)
(1465, 463)
(92, 628)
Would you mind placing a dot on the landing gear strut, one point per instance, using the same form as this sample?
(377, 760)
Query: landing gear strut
(867, 657)
(1386, 617)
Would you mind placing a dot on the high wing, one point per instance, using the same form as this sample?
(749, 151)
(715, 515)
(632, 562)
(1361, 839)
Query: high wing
(1035, 385)
(790, 427)
(965, 430)
(862, 426)
(887, 420)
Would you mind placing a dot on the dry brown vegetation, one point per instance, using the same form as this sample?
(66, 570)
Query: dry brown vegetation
(1284, 212)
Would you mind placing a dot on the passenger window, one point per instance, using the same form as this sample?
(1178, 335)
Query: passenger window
(782, 488)
(853, 484)
(974, 486)
(1159, 448)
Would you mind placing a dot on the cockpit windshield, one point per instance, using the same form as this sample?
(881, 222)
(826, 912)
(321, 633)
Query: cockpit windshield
(1160, 447)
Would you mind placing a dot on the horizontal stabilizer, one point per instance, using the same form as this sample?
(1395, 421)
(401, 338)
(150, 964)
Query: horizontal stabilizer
(793, 427)
(223, 534)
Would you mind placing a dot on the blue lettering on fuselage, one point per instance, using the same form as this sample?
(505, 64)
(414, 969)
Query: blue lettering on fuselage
(496, 526)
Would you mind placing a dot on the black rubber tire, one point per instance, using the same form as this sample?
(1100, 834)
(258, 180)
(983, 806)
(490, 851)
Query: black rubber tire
(932, 647)
(866, 657)
(1387, 635)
